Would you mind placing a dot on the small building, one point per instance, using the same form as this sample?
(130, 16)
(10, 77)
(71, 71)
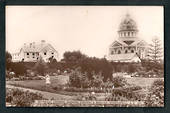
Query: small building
(33, 51)
(128, 47)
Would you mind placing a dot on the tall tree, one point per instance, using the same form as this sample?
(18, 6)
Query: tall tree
(41, 67)
(8, 59)
(73, 57)
(155, 50)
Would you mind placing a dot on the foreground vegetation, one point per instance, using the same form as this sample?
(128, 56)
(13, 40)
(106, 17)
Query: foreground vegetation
(87, 79)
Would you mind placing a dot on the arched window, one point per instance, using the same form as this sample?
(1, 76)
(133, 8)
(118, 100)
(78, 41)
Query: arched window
(119, 52)
(128, 33)
(126, 51)
(112, 52)
(132, 51)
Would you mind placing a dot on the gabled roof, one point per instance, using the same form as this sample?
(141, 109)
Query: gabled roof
(137, 42)
(122, 57)
(118, 42)
(36, 47)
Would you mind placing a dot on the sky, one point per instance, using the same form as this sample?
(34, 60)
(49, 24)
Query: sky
(90, 29)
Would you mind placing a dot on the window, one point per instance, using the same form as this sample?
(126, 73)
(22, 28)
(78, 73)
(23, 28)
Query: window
(33, 54)
(126, 51)
(128, 33)
(112, 52)
(52, 53)
(45, 53)
(27, 53)
(132, 51)
(119, 52)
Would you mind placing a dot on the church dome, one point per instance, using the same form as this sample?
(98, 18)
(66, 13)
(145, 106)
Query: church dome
(128, 24)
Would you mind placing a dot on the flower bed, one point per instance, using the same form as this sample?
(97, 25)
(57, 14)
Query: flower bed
(21, 98)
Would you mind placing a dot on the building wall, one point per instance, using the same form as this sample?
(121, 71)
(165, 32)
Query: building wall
(141, 51)
(34, 56)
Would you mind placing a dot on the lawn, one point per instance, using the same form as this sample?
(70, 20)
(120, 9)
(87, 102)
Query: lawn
(55, 81)
(61, 80)
(140, 81)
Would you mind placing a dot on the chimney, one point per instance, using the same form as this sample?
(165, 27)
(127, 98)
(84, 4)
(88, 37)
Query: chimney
(33, 44)
(30, 45)
(42, 42)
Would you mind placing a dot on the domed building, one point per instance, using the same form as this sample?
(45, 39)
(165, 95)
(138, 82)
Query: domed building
(128, 47)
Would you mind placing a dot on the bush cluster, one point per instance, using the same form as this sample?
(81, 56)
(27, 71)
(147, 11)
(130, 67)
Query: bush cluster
(20, 98)
(156, 96)
(125, 94)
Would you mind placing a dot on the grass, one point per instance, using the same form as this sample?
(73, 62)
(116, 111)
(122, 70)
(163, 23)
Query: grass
(55, 81)
(61, 80)
(140, 81)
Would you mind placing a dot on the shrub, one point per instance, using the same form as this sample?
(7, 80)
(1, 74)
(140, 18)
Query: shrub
(88, 64)
(119, 81)
(125, 94)
(87, 97)
(74, 89)
(19, 68)
(156, 96)
(41, 67)
(20, 98)
(97, 80)
(78, 79)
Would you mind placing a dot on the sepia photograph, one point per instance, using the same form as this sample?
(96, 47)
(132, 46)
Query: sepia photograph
(84, 56)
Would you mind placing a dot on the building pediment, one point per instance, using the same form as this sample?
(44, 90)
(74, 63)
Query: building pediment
(116, 44)
(128, 42)
(142, 43)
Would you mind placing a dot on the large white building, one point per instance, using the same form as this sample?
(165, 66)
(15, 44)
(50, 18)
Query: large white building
(128, 47)
(33, 51)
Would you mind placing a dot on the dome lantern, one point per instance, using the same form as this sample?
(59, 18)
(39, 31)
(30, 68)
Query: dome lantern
(128, 27)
